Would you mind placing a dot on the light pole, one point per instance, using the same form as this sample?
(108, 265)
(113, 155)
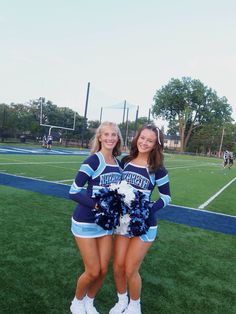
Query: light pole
(100, 120)
(136, 120)
(85, 116)
(149, 115)
(126, 129)
(221, 141)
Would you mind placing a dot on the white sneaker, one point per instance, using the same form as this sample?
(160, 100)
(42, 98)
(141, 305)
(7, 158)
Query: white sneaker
(133, 309)
(90, 308)
(77, 308)
(119, 307)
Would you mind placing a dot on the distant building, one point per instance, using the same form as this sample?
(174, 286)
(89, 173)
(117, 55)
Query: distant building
(172, 142)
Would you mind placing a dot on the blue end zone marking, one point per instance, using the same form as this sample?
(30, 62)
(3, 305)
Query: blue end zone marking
(42, 151)
(40, 186)
(201, 219)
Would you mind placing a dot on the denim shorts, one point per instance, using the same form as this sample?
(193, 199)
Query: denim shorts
(88, 230)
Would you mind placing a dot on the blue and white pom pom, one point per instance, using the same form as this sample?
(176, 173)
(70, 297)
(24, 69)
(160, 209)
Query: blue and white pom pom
(139, 213)
(122, 208)
(110, 208)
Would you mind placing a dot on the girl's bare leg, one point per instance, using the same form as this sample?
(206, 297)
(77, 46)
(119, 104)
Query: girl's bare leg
(121, 245)
(134, 257)
(90, 254)
(104, 245)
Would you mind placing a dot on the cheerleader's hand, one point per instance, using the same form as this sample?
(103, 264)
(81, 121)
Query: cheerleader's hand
(97, 207)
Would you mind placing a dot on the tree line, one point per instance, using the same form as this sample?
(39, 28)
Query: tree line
(197, 114)
(194, 112)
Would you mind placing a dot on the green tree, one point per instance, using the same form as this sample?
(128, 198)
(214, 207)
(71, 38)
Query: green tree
(191, 104)
(52, 115)
(4, 121)
(205, 139)
(173, 127)
(129, 129)
(93, 124)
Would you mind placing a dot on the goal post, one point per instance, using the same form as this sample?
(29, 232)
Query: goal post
(50, 126)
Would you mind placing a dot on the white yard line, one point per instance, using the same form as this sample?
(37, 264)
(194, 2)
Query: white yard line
(68, 180)
(196, 166)
(203, 210)
(5, 150)
(23, 150)
(31, 178)
(216, 194)
(42, 150)
(39, 163)
(57, 151)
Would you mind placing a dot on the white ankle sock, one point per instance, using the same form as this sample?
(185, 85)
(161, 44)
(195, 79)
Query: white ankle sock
(88, 299)
(78, 300)
(122, 296)
(134, 302)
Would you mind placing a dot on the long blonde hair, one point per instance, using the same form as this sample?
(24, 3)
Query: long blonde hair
(96, 144)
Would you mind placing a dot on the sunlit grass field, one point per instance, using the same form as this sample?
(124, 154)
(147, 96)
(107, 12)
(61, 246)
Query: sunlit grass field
(187, 270)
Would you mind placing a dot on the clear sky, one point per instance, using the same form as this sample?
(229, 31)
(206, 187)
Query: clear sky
(126, 49)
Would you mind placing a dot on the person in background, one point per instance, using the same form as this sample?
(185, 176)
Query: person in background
(49, 142)
(226, 158)
(99, 170)
(143, 169)
(44, 141)
(231, 159)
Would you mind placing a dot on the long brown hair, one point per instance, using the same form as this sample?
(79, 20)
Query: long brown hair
(96, 144)
(156, 156)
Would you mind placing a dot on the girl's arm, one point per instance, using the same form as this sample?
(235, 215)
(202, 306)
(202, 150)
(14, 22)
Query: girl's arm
(77, 191)
(162, 183)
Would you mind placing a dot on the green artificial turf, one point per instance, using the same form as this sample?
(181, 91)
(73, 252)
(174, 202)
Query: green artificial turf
(193, 179)
(187, 270)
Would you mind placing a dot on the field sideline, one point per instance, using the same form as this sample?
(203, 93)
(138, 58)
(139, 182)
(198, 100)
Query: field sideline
(178, 214)
(195, 181)
(188, 269)
(16, 172)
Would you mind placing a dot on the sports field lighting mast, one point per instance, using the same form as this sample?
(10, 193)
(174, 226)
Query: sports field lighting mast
(123, 121)
(41, 110)
(126, 129)
(100, 120)
(85, 115)
(149, 115)
(136, 120)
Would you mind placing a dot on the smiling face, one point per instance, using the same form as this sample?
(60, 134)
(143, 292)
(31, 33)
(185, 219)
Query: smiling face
(108, 138)
(146, 141)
